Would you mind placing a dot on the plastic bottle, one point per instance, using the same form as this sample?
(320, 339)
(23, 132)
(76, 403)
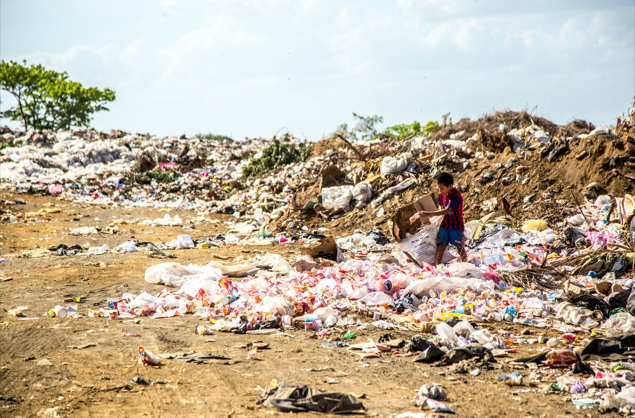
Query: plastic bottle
(396, 284)
(147, 357)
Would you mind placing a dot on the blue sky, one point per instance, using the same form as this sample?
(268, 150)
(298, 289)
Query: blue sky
(251, 67)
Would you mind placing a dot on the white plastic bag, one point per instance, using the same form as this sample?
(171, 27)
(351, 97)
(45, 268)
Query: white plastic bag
(275, 305)
(277, 263)
(620, 323)
(337, 198)
(143, 299)
(420, 288)
(574, 315)
(185, 241)
(464, 329)
(446, 333)
(392, 165)
(422, 246)
(466, 270)
(233, 270)
(377, 298)
(362, 192)
(174, 274)
(207, 283)
(84, 230)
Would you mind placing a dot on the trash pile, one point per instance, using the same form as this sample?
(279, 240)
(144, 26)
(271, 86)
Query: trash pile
(584, 289)
(550, 244)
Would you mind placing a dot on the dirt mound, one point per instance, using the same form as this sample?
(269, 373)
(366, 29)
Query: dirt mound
(543, 190)
(512, 120)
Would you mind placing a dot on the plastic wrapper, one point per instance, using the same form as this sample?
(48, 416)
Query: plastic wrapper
(561, 358)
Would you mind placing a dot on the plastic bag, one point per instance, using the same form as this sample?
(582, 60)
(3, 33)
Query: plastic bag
(362, 192)
(277, 263)
(422, 246)
(392, 165)
(576, 220)
(627, 396)
(143, 299)
(377, 298)
(619, 323)
(324, 313)
(447, 284)
(233, 270)
(482, 336)
(174, 274)
(534, 225)
(446, 333)
(185, 241)
(337, 198)
(603, 200)
(574, 315)
(464, 329)
(84, 230)
(275, 305)
(465, 270)
(359, 293)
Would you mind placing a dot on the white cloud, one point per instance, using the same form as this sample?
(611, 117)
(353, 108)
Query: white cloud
(252, 66)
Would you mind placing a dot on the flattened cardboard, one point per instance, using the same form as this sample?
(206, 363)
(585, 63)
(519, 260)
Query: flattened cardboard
(401, 218)
(326, 249)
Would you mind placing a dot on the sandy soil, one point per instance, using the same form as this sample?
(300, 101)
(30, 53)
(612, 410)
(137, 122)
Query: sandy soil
(95, 381)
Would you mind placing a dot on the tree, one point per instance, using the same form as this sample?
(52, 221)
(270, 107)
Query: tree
(47, 99)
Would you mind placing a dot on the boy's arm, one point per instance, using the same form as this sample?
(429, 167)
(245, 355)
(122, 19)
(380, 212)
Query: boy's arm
(424, 214)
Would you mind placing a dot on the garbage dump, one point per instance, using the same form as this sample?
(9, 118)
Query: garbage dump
(549, 238)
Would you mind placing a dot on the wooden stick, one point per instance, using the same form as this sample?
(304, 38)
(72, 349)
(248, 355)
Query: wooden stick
(580, 209)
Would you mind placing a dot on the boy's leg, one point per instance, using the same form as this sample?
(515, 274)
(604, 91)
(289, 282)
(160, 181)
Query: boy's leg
(443, 237)
(462, 252)
(438, 256)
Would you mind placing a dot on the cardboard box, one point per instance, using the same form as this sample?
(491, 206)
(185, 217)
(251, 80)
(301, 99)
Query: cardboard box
(401, 219)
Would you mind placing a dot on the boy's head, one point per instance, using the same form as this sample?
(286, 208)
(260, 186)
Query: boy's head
(445, 182)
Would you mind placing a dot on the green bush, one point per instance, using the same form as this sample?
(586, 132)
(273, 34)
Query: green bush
(159, 175)
(276, 155)
(212, 137)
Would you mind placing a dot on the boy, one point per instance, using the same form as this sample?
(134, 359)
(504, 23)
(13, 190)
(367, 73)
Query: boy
(452, 227)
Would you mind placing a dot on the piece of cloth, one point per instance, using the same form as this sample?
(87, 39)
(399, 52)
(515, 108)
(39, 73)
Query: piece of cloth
(609, 348)
(467, 352)
(288, 398)
(454, 219)
(64, 249)
(450, 236)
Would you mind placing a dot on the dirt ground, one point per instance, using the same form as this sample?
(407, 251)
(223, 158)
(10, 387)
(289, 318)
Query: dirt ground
(89, 363)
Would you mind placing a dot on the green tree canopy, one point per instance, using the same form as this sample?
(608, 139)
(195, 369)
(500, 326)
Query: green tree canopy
(47, 99)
